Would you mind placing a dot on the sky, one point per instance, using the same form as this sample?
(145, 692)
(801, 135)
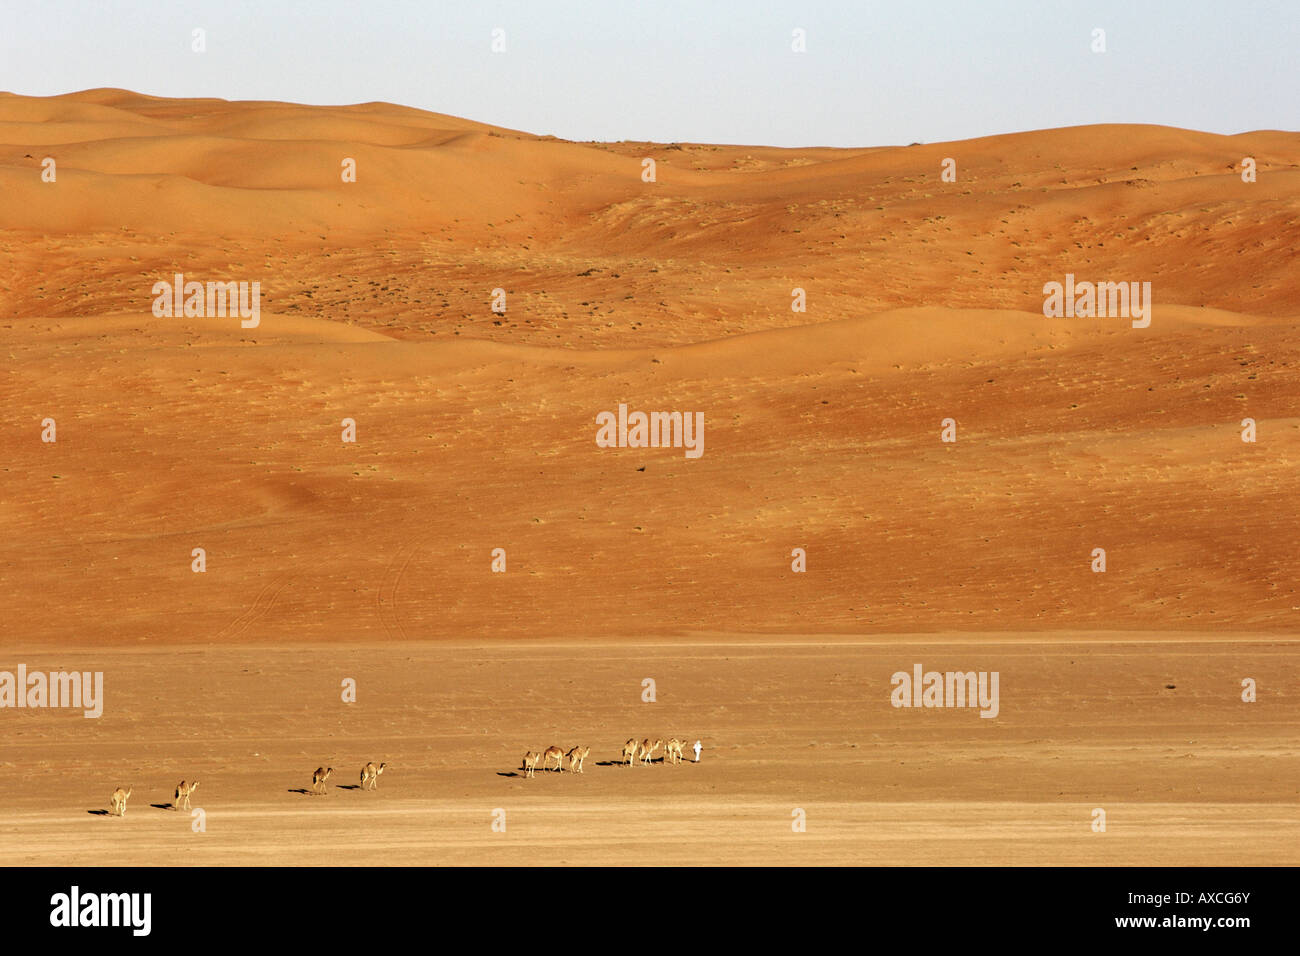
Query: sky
(715, 71)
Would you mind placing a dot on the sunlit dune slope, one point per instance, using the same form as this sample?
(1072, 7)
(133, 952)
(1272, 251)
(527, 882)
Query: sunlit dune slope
(476, 429)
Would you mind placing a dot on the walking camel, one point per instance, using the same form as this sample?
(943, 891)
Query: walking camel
(182, 798)
(318, 779)
(117, 804)
(556, 754)
(648, 748)
(576, 756)
(629, 751)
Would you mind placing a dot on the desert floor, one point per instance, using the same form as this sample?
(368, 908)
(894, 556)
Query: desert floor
(1187, 774)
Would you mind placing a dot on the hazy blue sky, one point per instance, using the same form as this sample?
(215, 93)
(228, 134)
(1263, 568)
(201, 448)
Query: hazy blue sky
(874, 73)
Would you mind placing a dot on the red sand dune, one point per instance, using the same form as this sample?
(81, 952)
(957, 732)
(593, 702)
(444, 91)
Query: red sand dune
(822, 427)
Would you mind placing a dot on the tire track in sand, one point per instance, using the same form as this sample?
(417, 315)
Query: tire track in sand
(260, 606)
(386, 600)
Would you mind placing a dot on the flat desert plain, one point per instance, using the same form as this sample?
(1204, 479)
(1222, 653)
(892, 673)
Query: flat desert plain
(1149, 729)
(132, 439)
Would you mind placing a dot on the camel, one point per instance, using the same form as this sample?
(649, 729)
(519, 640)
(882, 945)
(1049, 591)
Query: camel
(629, 751)
(530, 763)
(318, 779)
(648, 748)
(576, 756)
(182, 798)
(673, 751)
(556, 754)
(117, 804)
(370, 774)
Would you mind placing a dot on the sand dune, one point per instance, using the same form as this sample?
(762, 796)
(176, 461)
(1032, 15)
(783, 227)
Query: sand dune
(863, 230)
(477, 428)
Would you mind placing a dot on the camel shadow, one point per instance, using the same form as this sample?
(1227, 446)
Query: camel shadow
(99, 813)
(510, 773)
(300, 790)
(349, 786)
(163, 806)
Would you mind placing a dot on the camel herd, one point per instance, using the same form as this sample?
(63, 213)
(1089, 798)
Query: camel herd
(575, 757)
(634, 752)
(369, 777)
(181, 801)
